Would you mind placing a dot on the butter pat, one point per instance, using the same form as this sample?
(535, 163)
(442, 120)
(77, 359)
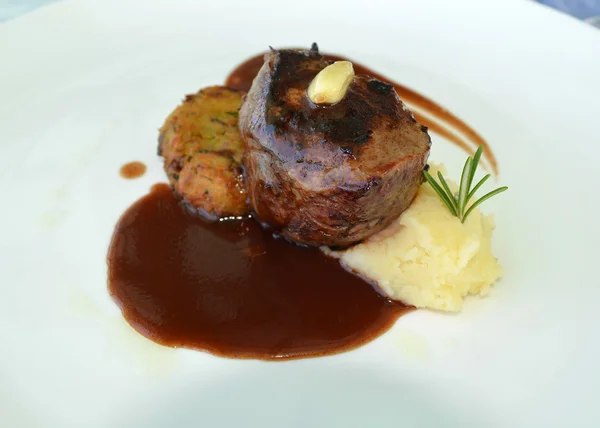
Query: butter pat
(332, 83)
(428, 258)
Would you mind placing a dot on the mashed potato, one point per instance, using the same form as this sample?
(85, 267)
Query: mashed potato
(428, 258)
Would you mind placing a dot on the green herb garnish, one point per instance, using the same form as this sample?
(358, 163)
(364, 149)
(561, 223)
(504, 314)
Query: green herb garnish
(458, 204)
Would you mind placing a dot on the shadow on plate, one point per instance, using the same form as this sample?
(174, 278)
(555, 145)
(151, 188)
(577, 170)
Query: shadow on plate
(299, 396)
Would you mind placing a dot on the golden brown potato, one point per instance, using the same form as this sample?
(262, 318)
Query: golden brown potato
(202, 148)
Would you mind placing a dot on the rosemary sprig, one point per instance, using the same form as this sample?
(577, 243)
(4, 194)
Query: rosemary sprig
(458, 204)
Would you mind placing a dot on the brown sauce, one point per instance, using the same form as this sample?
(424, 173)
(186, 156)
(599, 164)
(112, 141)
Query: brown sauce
(446, 124)
(232, 289)
(132, 170)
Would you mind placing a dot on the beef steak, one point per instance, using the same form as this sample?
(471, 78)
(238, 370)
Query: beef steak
(327, 175)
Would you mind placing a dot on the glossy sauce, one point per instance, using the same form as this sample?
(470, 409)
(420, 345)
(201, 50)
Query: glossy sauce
(234, 290)
(445, 124)
(132, 170)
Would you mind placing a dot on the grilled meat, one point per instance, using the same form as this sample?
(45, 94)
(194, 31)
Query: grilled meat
(327, 175)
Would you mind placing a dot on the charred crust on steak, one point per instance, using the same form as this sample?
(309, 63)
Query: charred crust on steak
(347, 150)
(379, 87)
(349, 121)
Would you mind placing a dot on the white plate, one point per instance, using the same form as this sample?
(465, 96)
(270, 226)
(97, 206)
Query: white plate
(83, 89)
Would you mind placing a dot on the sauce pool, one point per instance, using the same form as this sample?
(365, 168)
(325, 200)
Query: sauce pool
(232, 289)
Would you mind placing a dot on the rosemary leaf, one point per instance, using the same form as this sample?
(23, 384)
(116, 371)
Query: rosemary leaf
(475, 164)
(463, 189)
(458, 204)
(440, 192)
(448, 191)
(477, 186)
(482, 199)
